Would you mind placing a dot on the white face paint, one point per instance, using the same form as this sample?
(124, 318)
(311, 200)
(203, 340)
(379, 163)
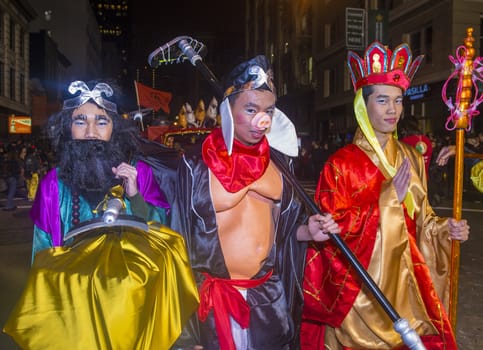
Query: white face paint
(252, 114)
(212, 110)
(384, 108)
(90, 122)
(190, 115)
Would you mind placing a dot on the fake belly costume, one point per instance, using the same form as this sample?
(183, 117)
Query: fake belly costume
(273, 296)
(124, 285)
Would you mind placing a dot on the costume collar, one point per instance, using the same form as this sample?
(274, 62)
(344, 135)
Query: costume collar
(245, 165)
(383, 163)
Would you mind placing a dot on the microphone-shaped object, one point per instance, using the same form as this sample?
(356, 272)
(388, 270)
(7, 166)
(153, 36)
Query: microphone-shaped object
(184, 48)
(189, 51)
(172, 52)
(113, 209)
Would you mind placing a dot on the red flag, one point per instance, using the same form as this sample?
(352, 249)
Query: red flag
(152, 98)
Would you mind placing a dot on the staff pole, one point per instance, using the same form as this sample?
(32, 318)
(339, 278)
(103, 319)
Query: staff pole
(461, 112)
(408, 335)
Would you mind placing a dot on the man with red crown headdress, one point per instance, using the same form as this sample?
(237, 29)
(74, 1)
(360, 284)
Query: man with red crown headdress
(375, 188)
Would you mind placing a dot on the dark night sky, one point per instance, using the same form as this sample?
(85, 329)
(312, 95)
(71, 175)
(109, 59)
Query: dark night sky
(157, 22)
(187, 14)
(154, 23)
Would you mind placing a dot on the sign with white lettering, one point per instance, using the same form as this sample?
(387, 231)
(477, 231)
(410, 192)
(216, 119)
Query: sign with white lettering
(355, 28)
(417, 92)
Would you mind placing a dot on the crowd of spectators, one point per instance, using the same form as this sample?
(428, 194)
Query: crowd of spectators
(23, 162)
(313, 155)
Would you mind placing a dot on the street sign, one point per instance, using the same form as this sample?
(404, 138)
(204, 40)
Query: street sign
(355, 28)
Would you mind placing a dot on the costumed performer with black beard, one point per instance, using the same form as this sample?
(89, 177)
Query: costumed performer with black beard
(111, 287)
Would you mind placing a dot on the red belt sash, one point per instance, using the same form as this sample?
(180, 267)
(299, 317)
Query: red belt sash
(221, 295)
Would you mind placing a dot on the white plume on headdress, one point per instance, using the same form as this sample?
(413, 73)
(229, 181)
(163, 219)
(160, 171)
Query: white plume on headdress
(282, 135)
(227, 126)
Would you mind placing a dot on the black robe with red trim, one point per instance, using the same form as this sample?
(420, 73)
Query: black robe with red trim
(276, 305)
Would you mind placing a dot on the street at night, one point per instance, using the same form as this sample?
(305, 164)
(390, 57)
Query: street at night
(182, 114)
(16, 243)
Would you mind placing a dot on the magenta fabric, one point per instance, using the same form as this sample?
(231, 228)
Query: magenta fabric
(45, 211)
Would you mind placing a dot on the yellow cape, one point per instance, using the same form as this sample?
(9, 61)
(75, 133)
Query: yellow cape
(118, 288)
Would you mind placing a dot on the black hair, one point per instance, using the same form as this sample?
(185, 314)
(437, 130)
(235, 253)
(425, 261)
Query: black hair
(240, 75)
(366, 92)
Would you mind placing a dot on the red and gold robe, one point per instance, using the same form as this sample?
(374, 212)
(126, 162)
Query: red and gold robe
(407, 258)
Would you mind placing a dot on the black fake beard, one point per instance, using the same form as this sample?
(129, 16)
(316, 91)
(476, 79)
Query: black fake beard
(86, 167)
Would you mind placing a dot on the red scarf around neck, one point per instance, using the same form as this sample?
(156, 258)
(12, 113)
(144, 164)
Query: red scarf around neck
(245, 165)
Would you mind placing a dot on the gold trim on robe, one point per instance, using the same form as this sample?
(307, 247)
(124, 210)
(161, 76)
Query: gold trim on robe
(401, 280)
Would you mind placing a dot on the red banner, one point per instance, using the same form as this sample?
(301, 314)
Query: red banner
(152, 98)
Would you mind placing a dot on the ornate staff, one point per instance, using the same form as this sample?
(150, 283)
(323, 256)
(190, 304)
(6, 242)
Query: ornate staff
(178, 50)
(464, 108)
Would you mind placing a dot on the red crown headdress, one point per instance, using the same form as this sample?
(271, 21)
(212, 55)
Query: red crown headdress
(382, 66)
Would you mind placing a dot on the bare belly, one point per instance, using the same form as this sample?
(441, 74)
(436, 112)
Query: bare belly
(246, 234)
(245, 220)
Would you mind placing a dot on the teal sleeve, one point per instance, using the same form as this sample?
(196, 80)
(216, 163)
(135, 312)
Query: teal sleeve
(157, 214)
(41, 240)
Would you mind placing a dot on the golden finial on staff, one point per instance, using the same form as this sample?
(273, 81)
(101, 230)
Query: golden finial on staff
(462, 110)
(466, 80)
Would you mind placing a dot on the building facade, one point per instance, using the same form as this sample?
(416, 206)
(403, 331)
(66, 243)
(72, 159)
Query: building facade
(48, 77)
(113, 17)
(72, 25)
(282, 30)
(434, 28)
(15, 16)
(65, 45)
(307, 42)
